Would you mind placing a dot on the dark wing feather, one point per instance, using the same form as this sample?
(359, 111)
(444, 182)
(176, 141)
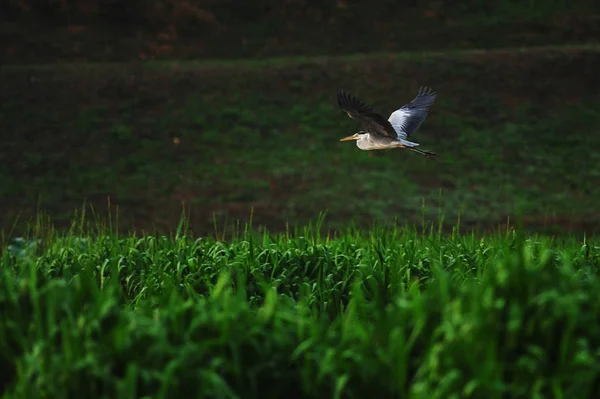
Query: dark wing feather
(412, 115)
(371, 121)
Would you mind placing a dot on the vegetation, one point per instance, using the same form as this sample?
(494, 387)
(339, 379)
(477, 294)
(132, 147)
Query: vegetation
(386, 311)
(515, 132)
(390, 294)
(37, 31)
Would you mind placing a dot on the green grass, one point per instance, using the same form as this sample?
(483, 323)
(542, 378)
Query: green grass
(515, 131)
(389, 311)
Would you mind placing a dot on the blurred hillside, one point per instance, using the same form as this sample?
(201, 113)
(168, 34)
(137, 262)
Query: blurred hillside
(118, 30)
(516, 133)
(256, 135)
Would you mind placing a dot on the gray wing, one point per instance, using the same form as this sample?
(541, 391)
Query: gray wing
(407, 119)
(371, 121)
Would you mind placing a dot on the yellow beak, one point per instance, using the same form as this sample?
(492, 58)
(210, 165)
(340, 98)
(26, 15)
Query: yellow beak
(353, 137)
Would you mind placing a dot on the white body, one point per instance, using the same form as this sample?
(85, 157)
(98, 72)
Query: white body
(397, 119)
(368, 142)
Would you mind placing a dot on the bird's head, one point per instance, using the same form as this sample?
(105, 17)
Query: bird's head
(355, 136)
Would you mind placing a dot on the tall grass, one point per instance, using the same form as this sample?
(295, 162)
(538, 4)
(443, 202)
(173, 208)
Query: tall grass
(391, 312)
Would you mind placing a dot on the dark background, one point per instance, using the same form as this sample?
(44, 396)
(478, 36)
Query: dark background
(227, 109)
(117, 30)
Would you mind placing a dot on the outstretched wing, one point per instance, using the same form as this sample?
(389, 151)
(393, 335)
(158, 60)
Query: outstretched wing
(371, 121)
(407, 119)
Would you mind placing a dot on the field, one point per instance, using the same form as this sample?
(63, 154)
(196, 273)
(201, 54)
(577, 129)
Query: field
(385, 311)
(70, 31)
(516, 132)
(178, 216)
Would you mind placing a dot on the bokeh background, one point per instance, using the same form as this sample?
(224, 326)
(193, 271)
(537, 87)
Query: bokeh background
(227, 110)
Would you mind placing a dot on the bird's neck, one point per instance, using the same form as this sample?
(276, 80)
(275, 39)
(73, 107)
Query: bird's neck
(363, 140)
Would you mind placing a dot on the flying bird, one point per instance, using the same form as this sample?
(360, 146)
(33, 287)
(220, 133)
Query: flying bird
(379, 133)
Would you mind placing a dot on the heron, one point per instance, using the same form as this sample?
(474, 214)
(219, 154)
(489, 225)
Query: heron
(381, 134)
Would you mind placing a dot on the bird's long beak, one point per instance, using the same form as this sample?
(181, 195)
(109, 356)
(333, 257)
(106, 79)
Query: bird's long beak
(353, 137)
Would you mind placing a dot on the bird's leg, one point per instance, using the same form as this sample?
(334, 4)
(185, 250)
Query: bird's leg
(426, 153)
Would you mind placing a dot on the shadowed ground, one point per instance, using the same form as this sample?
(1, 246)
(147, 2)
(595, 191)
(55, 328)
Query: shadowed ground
(516, 133)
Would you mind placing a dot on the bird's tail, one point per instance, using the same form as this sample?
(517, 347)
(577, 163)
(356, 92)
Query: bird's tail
(426, 153)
